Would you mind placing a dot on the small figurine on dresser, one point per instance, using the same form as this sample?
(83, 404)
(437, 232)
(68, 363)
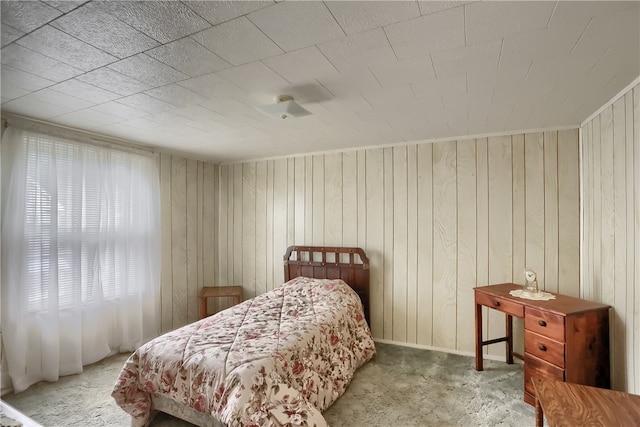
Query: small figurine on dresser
(531, 285)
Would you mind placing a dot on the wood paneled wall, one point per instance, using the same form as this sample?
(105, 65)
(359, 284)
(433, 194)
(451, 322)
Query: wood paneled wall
(436, 220)
(189, 211)
(611, 228)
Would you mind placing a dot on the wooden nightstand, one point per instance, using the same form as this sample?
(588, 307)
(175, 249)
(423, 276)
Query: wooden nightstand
(217, 291)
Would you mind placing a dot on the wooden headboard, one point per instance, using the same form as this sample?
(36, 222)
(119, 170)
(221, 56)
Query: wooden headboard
(320, 262)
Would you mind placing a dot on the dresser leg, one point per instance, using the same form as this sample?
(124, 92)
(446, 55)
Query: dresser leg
(509, 329)
(478, 316)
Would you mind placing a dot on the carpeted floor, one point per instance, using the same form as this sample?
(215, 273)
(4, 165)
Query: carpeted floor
(401, 386)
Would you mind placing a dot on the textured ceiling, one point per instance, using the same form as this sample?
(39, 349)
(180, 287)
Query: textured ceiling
(189, 75)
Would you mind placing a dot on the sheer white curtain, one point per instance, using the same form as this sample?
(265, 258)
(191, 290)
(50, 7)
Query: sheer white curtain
(80, 254)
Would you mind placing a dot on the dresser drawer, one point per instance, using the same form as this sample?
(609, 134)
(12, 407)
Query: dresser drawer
(502, 304)
(544, 323)
(534, 367)
(544, 348)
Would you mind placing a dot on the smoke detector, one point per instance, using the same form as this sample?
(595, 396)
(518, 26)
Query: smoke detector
(284, 108)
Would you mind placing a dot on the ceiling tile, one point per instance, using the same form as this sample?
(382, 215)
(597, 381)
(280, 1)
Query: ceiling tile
(119, 110)
(301, 65)
(217, 12)
(63, 100)
(621, 26)
(419, 36)
(433, 90)
(546, 43)
(431, 6)
(146, 103)
(85, 91)
(238, 42)
(26, 16)
(297, 24)
(21, 79)
(56, 44)
(350, 83)
(31, 107)
(212, 85)
(104, 31)
(164, 21)
(176, 95)
(189, 57)
(65, 5)
(395, 98)
(95, 118)
(148, 70)
(483, 82)
(253, 77)
(114, 81)
(366, 49)
(9, 34)
(467, 58)
(405, 71)
(492, 20)
(27, 60)
(580, 12)
(358, 16)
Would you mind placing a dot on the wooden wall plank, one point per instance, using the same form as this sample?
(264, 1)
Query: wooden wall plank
(519, 230)
(192, 239)
(166, 234)
(318, 207)
(608, 212)
(388, 243)
(400, 238)
(271, 218)
(291, 200)
(280, 225)
(261, 228)
(500, 226)
(375, 237)
(333, 199)
(236, 227)
(534, 214)
(466, 238)
(361, 191)
(308, 201)
(568, 213)
(200, 231)
(444, 243)
(249, 237)
(620, 241)
(210, 221)
(596, 231)
(300, 196)
(550, 144)
(412, 244)
(179, 240)
(349, 208)
(482, 218)
(425, 244)
(636, 266)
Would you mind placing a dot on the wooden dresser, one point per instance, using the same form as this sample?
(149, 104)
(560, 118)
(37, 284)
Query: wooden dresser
(564, 338)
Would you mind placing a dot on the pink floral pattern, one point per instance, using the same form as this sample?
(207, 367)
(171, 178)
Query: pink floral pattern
(279, 359)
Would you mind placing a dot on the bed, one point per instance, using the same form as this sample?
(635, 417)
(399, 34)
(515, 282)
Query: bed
(280, 358)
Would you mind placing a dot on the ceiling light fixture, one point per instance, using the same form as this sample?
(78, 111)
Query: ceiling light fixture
(284, 107)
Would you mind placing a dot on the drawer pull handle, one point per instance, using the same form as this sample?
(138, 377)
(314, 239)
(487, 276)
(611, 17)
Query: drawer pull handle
(542, 323)
(496, 303)
(542, 347)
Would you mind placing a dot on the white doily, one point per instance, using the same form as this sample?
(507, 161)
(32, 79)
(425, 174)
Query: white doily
(540, 296)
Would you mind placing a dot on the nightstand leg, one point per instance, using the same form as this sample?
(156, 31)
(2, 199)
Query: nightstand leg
(509, 328)
(479, 366)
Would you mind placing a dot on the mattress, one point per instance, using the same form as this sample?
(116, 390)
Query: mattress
(280, 358)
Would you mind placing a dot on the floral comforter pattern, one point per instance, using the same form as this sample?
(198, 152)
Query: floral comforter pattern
(280, 358)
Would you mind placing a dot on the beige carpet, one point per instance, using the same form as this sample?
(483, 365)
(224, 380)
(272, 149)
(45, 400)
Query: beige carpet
(401, 386)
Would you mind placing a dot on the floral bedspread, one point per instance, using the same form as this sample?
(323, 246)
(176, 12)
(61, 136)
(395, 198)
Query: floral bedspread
(280, 358)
